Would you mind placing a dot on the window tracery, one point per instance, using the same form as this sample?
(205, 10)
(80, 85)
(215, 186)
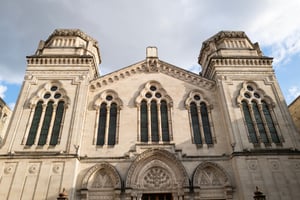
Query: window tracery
(47, 114)
(107, 106)
(154, 110)
(200, 119)
(259, 117)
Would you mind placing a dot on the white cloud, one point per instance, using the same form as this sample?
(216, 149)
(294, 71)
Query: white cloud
(3, 89)
(293, 93)
(12, 105)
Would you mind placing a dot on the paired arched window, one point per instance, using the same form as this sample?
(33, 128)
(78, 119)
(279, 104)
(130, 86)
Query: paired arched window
(200, 119)
(154, 114)
(108, 110)
(258, 115)
(47, 118)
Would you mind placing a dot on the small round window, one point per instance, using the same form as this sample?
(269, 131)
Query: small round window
(197, 97)
(53, 88)
(109, 97)
(256, 95)
(250, 88)
(152, 88)
(148, 95)
(158, 95)
(247, 95)
(57, 95)
(47, 95)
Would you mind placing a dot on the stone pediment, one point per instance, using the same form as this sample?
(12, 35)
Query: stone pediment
(152, 66)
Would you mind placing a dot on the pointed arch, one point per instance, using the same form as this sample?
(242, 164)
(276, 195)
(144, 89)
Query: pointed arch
(107, 106)
(199, 109)
(259, 117)
(48, 106)
(154, 110)
(101, 180)
(88, 181)
(157, 170)
(209, 177)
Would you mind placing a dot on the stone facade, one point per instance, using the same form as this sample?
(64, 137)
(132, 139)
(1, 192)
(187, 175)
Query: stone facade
(294, 109)
(150, 130)
(5, 114)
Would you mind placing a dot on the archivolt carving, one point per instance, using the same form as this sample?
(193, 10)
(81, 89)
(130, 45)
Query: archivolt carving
(156, 165)
(46, 88)
(101, 176)
(210, 174)
(161, 67)
(250, 91)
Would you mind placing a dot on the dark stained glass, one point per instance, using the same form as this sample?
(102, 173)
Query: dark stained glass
(270, 123)
(259, 123)
(46, 124)
(144, 122)
(35, 123)
(164, 121)
(154, 122)
(205, 124)
(57, 123)
(112, 124)
(102, 124)
(195, 123)
(249, 123)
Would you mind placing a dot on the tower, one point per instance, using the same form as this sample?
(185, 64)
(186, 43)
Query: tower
(47, 122)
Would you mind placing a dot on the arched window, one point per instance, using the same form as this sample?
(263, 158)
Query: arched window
(154, 113)
(35, 123)
(102, 124)
(144, 122)
(199, 114)
(258, 115)
(47, 118)
(46, 124)
(57, 123)
(108, 108)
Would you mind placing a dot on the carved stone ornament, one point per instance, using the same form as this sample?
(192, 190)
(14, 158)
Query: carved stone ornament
(156, 177)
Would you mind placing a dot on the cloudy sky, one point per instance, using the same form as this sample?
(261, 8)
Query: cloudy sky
(125, 28)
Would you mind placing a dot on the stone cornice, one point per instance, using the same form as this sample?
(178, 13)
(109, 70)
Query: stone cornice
(241, 61)
(64, 60)
(158, 67)
(61, 60)
(71, 32)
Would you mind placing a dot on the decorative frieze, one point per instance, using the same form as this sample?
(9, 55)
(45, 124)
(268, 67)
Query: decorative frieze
(155, 67)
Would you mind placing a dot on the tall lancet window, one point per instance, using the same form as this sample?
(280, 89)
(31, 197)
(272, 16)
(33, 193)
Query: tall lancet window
(200, 119)
(46, 117)
(107, 106)
(259, 117)
(154, 110)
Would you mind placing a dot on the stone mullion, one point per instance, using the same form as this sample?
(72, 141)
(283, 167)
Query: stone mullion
(51, 123)
(170, 121)
(200, 124)
(96, 125)
(107, 125)
(149, 121)
(265, 123)
(275, 122)
(211, 125)
(191, 123)
(40, 124)
(117, 125)
(29, 124)
(138, 122)
(159, 123)
(62, 123)
(254, 123)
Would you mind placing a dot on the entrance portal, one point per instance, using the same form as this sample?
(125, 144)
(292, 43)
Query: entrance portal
(160, 196)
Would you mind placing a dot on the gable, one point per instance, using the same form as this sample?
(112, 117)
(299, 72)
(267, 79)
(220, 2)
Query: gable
(156, 67)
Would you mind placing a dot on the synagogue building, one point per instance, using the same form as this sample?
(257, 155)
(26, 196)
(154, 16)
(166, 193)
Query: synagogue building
(151, 130)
